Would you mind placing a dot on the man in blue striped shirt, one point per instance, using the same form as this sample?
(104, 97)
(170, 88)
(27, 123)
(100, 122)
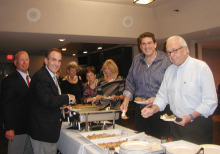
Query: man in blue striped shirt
(144, 80)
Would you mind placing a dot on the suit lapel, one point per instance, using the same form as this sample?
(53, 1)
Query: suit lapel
(51, 79)
(21, 80)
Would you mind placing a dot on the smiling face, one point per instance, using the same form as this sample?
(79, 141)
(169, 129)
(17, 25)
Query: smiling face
(176, 52)
(147, 46)
(53, 62)
(22, 61)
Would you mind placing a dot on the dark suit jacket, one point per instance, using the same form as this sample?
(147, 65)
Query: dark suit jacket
(45, 114)
(14, 101)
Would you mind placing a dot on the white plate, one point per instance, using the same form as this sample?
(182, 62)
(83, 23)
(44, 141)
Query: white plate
(141, 102)
(182, 149)
(211, 148)
(106, 97)
(168, 119)
(135, 145)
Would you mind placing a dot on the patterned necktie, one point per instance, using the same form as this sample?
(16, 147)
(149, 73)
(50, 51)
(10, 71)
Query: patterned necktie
(27, 78)
(56, 82)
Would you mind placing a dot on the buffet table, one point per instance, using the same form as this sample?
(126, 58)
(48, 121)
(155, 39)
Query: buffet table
(71, 142)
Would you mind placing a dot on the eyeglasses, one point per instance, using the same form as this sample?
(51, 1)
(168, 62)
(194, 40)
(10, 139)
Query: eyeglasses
(148, 43)
(173, 51)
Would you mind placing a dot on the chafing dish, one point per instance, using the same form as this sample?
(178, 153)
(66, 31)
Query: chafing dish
(88, 114)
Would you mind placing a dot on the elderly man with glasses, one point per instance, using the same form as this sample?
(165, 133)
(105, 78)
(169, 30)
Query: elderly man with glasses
(188, 87)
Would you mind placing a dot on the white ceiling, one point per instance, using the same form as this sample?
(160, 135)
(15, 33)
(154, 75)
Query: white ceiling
(36, 43)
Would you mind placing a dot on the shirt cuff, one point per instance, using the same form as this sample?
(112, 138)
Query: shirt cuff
(128, 94)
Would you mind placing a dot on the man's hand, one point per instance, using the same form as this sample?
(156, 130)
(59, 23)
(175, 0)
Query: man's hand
(72, 99)
(147, 112)
(185, 120)
(150, 101)
(124, 105)
(10, 135)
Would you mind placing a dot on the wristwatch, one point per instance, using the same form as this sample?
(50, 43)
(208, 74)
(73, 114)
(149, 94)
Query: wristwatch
(191, 117)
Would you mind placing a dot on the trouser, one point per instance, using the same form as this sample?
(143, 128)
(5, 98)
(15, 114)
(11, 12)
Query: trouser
(40, 147)
(199, 131)
(153, 125)
(20, 145)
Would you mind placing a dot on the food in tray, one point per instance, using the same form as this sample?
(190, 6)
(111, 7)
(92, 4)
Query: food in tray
(108, 145)
(168, 117)
(103, 135)
(78, 106)
(139, 99)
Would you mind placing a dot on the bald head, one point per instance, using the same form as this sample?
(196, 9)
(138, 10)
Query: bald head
(22, 61)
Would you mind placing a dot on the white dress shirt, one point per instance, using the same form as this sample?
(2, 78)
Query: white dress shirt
(188, 88)
(24, 76)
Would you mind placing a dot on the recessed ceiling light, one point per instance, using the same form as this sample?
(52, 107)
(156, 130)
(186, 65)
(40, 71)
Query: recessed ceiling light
(61, 40)
(63, 49)
(143, 1)
(74, 54)
(100, 48)
(85, 52)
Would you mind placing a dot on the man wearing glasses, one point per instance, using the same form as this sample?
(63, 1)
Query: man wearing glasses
(188, 87)
(144, 80)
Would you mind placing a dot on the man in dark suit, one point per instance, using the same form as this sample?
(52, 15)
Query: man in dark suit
(14, 91)
(46, 101)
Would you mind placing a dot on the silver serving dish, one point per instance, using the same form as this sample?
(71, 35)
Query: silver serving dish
(87, 114)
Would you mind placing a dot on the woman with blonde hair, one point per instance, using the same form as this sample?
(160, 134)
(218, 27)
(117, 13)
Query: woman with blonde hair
(72, 83)
(110, 88)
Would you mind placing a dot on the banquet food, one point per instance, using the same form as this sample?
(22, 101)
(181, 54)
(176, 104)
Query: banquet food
(139, 99)
(108, 145)
(78, 106)
(106, 97)
(165, 116)
(123, 115)
(103, 135)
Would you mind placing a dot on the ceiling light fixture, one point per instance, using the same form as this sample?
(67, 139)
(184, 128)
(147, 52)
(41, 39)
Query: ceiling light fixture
(85, 52)
(63, 49)
(61, 40)
(74, 54)
(143, 1)
(100, 48)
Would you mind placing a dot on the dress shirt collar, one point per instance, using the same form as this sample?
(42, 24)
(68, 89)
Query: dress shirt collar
(185, 62)
(51, 73)
(23, 74)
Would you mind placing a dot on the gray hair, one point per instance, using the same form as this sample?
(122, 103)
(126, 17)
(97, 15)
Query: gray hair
(72, 64)
(180, 40)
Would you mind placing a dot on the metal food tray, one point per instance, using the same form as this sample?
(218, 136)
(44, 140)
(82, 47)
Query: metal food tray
(86, 116)
(140, 136)
(90, 116)
(116, 132)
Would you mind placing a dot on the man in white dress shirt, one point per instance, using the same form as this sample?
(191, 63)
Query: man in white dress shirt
(188, 86)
